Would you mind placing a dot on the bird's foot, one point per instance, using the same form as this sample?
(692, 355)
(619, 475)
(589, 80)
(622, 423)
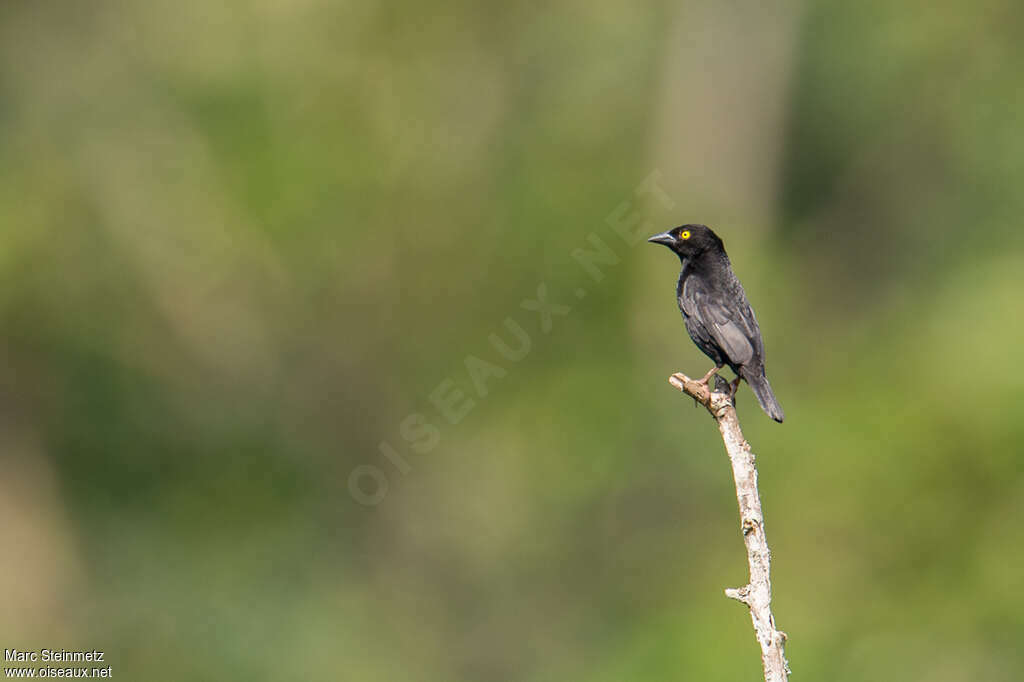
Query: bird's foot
(718, 394)
(707, 377)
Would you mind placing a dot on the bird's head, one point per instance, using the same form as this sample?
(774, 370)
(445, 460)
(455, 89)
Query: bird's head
(689, 241)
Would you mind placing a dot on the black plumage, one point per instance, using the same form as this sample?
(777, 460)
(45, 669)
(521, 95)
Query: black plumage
(716, 311)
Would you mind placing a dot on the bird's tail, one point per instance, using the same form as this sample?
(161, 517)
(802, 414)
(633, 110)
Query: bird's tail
(758, 383)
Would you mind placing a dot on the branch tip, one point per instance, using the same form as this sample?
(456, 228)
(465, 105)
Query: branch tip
(740, 594)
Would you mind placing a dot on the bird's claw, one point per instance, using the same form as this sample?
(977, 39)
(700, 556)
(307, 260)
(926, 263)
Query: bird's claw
(733, 387)
(713, 372)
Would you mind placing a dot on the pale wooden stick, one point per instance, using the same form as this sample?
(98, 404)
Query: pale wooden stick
(757, 594)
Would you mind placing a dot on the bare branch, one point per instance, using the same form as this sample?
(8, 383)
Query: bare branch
(757, 595)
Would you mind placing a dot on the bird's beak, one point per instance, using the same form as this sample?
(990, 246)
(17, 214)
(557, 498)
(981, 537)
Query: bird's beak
(663, 238)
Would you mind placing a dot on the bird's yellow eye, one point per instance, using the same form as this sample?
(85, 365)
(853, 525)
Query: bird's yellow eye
(685, 234)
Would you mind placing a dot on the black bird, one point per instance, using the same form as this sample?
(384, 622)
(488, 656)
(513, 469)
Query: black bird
(716, 311)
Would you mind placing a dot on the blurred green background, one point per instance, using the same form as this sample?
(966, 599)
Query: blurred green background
(241, 244)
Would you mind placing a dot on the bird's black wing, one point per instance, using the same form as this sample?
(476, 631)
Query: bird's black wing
(726, 316)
